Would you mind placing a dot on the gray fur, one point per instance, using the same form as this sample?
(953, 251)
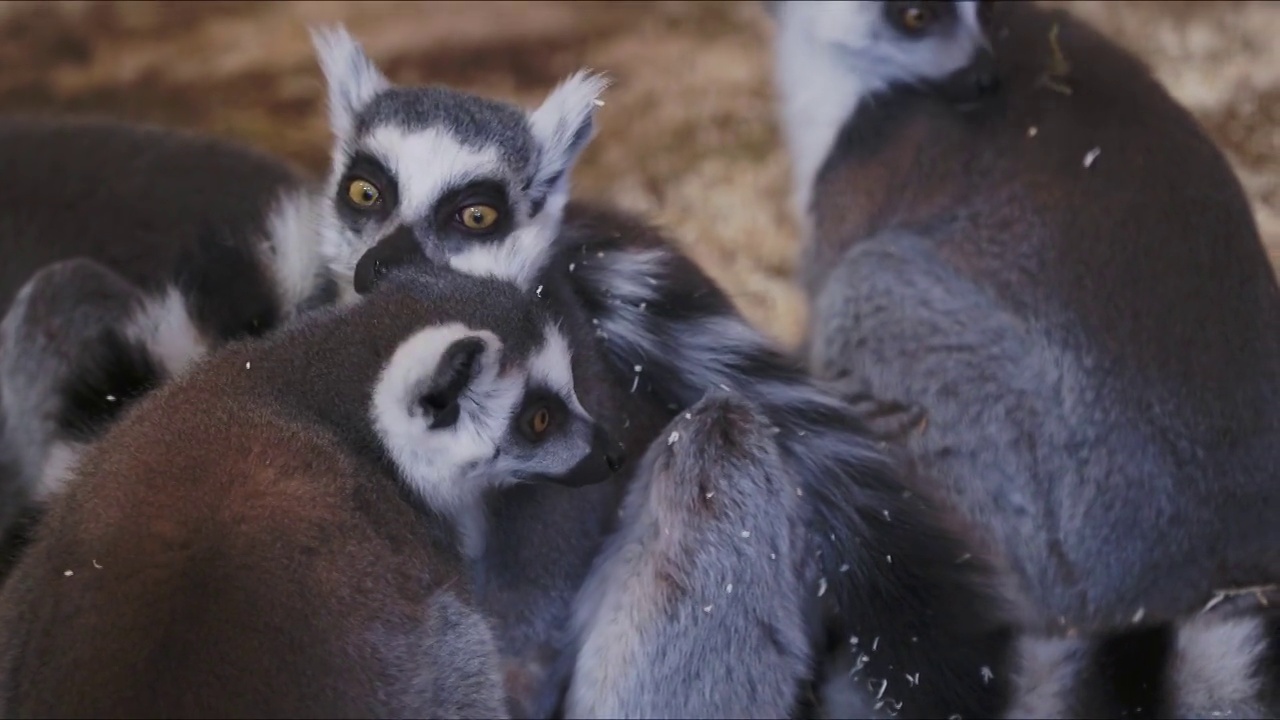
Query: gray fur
(894, 293)
(1100, 374)
(476, 122)
(877, 559)
(697, 588)
(452, 664)
(1221, 668)
(54, 315)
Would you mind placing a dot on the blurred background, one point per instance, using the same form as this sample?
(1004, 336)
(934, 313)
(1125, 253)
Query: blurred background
(687, 135)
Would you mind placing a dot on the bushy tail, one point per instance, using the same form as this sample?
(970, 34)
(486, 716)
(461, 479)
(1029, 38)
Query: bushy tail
(898, 591)
(1206, 666)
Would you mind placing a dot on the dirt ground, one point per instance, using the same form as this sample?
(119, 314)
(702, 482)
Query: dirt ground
(687, 136)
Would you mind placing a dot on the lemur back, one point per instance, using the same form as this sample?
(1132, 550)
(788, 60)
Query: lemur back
(251, 540)
(161, 208)
(1064, 273)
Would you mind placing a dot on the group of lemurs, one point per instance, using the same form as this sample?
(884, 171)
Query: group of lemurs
(425, 438)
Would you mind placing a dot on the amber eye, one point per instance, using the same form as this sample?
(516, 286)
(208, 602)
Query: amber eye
(362, 193)
(915, 18)
(539, 421)
(478, 217)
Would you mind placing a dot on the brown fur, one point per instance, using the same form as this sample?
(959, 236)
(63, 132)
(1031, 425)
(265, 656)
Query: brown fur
(223, 553)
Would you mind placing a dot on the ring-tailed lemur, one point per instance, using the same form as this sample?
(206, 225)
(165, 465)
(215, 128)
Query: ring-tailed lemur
(240, 543)
(137, 250)
(1067, 277)
(478, 185)
(1064, 273)
(471, 182)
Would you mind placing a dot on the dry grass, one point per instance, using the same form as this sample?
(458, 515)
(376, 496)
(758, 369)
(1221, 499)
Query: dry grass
(687, 136)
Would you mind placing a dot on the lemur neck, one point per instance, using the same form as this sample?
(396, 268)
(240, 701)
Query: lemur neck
(820, 87)
(471, 522)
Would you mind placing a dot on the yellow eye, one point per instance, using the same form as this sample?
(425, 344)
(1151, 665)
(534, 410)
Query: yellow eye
(363, 193)
(478, 217)
(916, 18)
(540, 421)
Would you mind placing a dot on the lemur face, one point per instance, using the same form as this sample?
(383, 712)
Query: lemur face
(474, 183)
(459, 418)
(939, 44)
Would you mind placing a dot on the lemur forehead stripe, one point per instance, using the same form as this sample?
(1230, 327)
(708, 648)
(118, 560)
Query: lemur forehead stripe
(430, 162)
(552, 364)
(476, 122)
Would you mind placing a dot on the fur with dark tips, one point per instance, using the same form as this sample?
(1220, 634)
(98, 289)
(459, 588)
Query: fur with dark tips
(703, 568)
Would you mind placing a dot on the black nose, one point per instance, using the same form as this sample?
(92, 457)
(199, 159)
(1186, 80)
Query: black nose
(986, 83)
(983, 74)
(616, 459)
(398, 249)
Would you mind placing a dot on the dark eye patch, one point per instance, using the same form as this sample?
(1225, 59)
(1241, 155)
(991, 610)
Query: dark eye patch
(943, 17)
(480, 192)
(534, 400)
(364, 166)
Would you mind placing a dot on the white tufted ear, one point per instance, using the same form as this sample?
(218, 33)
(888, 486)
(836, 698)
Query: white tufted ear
(563, 125)
(352, 77)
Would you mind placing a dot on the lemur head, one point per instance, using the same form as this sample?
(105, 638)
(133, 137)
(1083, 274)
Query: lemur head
(937, 44)
(460, 413)
(467, 181)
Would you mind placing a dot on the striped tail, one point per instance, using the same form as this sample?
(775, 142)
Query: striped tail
(1206, 666)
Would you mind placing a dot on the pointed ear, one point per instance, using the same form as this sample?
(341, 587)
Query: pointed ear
(458, 366)
(352, 77)
(563, 125)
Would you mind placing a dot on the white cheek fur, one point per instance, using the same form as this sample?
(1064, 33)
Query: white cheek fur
(449, 468)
